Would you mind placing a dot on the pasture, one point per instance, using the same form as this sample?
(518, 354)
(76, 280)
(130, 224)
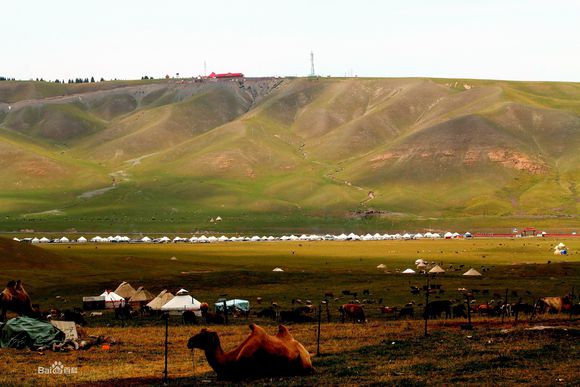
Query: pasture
(380, 351)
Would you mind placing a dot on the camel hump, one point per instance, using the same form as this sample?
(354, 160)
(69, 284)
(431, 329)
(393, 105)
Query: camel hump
(256, 329)
(283, 333)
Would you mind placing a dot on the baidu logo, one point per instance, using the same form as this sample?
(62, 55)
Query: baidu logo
(57, 368)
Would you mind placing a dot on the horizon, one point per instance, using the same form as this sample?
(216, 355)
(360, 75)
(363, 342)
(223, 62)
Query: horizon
(512, 41)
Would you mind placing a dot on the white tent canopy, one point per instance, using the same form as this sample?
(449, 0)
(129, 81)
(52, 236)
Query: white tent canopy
(182, 302)
(436, 270)
(408, 271)
(472, 273)
(277, 269)
(113, 300)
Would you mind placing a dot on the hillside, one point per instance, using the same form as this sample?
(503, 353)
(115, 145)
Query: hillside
(288, 154)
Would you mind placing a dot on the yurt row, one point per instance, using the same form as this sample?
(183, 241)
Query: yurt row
(255, 238)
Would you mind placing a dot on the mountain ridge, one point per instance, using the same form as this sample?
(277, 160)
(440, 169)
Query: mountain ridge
(290, 147)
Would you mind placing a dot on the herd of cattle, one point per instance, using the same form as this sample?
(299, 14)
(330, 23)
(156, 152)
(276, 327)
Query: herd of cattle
(15, 298)
(332, 310)
(357, 311)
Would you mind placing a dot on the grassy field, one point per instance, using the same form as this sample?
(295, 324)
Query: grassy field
(394, 353)
(244, 270)
(380, 351)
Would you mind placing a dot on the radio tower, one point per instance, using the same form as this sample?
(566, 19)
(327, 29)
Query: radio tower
(312, 73)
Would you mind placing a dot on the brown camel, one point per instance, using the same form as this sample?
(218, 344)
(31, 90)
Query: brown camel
(259, 355)
(16, 299)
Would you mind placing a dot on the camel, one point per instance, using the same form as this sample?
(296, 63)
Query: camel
(16, 299)
(259, 355)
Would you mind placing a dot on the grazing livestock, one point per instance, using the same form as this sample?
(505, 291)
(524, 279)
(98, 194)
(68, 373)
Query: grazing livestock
(267, 313)
(259, 355)
(77, 317)
(352, 312)
(211, 317)
(459, 311)
(124, 312)
(524, 308)
(407, 311)
(297, 315)
(435, 309)
(553, 304)
(485, 309)
(189, 317)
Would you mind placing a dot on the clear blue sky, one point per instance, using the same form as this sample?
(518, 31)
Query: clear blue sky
(125, 39)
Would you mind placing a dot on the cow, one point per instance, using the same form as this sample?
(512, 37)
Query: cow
(553, 304)
(352, 312)
(485, 309)
(296, 315)
(436, 308)
(407, 311)
(267, 313)
(189, 317)
(459, 311)
(387, 310)
(521, 307)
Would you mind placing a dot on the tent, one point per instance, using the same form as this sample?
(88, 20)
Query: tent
(82, 240)
(381, 266)
(162, 298)
(408, 271)
(141, 297)
(242, 305)
(472, 273)
(113, 300)
(436, 270)
(125, 290)
(183, 302)
(277, 269)
(27, 332)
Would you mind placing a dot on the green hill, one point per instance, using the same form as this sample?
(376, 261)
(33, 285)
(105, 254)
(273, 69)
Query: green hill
(288, 154)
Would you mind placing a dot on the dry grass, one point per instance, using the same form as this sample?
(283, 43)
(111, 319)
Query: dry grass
(385, 353)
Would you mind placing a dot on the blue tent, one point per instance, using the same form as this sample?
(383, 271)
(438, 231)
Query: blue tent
(241, 305)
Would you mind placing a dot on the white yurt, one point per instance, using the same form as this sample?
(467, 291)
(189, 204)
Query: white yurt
(182, 302)
(436, 270)
(381, 266)
(472, 273)
(113, 300)
(277, 269)
(408, 271)
(82, 240)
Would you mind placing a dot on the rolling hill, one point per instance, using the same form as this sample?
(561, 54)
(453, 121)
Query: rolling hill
(288, 154)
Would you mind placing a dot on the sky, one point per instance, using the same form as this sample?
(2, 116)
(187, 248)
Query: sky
(127, 39)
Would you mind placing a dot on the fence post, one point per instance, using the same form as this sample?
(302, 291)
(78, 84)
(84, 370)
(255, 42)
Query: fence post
(504, 306)
(426, 313)
(166, 318)
(468, 309)
(318, 335)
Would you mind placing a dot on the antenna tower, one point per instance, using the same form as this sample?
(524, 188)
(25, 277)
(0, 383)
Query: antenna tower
(312, 73)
